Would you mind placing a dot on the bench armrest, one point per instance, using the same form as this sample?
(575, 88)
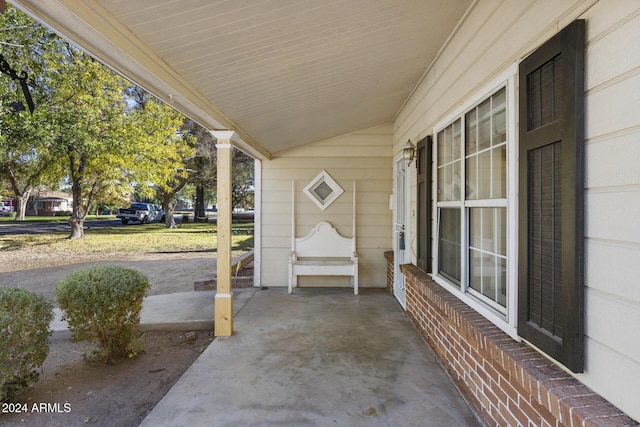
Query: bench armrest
(354, 256)
(292, 256)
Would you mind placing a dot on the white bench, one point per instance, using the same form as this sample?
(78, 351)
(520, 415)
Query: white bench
(323, 252)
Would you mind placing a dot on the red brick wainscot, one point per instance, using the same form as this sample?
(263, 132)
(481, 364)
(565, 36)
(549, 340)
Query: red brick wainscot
(506, 382)
(389, 256)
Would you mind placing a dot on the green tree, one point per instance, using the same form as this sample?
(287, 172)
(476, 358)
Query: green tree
(91, 132)
(24, 137)
(242, 179)
(169, 151)
(204, 175)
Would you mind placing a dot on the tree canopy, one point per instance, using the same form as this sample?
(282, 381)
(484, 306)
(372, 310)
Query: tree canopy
(91, 127)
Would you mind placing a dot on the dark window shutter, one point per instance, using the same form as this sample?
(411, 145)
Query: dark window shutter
(551, 180)
(424, 203)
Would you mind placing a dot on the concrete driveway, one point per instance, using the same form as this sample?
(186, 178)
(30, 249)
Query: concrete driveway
(318, 357)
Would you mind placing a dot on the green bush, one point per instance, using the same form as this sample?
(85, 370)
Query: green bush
(102, 304)
(24, 339)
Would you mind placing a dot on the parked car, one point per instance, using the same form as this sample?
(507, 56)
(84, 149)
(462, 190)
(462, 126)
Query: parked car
(5, 208)
(143, 213)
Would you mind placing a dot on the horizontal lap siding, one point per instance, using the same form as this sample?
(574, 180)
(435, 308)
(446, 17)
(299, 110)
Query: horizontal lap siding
(612, 203)
(363, 156)
(495, 35)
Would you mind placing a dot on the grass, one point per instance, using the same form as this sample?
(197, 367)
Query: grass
(149, 238)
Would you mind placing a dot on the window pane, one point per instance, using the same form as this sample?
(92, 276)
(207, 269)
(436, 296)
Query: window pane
(456, 139)
(457, 179)
(441, 184)
(501, 231)
(440, 147)
(484, 175)
(475, 270)
(448, 150)
(489, 276)
(499, 172)
(488, 236)
(487, 262)
(499, 105)
(470, 132)
(484, 125)
(472, 179)
(502, 282)
(475, 228)
(449, 244)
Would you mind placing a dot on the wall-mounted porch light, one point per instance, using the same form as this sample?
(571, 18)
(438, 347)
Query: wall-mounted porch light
(409, 152)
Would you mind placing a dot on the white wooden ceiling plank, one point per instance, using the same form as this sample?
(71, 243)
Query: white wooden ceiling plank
(206, 25)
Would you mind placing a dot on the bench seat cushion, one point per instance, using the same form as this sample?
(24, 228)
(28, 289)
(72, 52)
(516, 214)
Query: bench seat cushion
(323, 261)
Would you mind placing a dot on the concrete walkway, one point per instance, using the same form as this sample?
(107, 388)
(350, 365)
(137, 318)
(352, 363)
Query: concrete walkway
(318, 357)
(183, 311)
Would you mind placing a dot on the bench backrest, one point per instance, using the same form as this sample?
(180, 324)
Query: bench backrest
(324, 241)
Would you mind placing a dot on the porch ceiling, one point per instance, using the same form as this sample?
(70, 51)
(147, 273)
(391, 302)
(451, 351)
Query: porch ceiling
(281, 73)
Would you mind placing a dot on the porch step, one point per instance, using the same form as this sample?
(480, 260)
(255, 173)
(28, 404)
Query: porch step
(243, 277)
(210, 282)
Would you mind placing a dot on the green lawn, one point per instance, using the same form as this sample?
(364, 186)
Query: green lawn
(147, 238)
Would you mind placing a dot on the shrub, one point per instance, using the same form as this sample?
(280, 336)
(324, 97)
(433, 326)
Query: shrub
(24, 339)
(102, 304)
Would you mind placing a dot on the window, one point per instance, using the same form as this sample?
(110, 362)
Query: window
(508, 217)
(473, 229)
(551, 214)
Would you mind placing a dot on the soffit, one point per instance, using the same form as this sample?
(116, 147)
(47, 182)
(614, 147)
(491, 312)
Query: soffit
(281, 73)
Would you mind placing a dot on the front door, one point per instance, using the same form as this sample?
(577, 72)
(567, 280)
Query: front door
(401, 229)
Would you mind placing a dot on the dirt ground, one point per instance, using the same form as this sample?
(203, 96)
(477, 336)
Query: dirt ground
(167, 273)
(74, 392)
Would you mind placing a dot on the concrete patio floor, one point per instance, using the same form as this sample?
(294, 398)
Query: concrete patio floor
(318, 357)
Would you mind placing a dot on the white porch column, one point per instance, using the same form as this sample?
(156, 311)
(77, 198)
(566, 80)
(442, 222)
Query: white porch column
(223, 326)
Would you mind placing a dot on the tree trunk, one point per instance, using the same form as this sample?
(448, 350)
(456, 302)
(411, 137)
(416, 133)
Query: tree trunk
(77, 214)
(21, 205)
(77, 227)
(198, 211)
(22, 194)
(167, 205)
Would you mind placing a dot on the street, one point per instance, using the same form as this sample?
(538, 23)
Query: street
(7, 228)
(12, 227)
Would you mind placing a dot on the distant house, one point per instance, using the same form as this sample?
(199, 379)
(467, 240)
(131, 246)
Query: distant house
(50, 203)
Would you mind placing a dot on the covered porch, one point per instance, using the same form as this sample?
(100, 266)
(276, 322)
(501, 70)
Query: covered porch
(344, 87)
(317, 357)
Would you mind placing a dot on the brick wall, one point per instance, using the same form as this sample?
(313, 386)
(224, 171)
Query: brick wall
(506, 383)
(389, 256)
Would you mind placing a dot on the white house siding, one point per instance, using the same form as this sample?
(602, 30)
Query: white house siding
(496, 34)
(363, 156)
(612, 203)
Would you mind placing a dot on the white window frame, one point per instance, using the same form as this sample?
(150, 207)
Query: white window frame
(506, 321)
